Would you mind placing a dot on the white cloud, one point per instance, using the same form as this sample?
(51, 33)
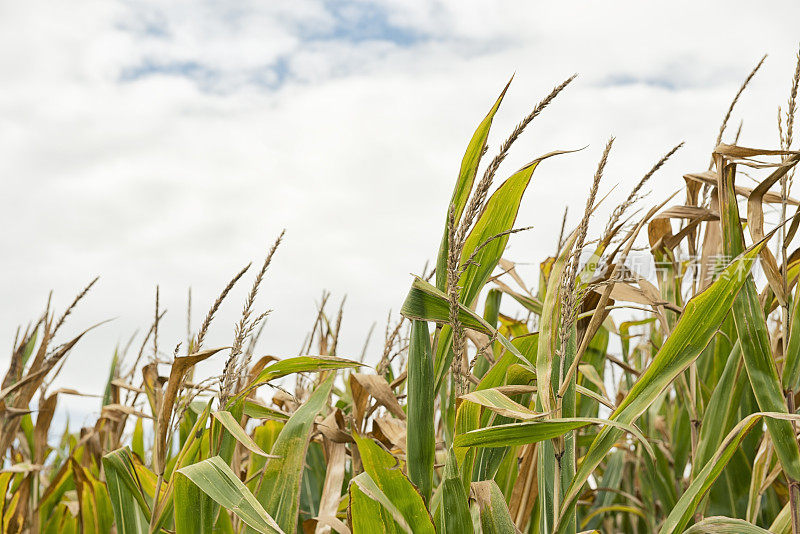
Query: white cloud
(170, 143)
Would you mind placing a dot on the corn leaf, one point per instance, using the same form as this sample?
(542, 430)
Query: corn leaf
(383, 470)
(280, 490)
(455, 516)
(420, 429)
(495, 517)
(299, 364)
(194, 512)
(725, 525)
(684, 509)
(231, 425)
(131, 509)
(751, 326)
(215, 479)
(466, 177)
(372, 511)
(697, 325)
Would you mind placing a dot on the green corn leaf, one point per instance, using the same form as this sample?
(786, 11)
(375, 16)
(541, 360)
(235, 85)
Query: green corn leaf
(782, 524)
(722, 407)
(501, 404)
(280, 490)
(483, 250)
(299, 364)
(698, 323)
(482, 243)
(232, 425)
(186, 456)
(536, 431)
(265, 436)
(684, 509)
(725, 525)
(548, 328)
(455, 518)
(137, 442)
(526, 347)
(495, 517)
(491, 314)
(466, 177)
(616, 509)
(426, 303)
(111, 375)
(215, 479)
(517, 433)
(131, 509)
(751, 326)
(420, 429)
(194, 512)
(611, 479)
(791, 370)
(256, 410)
(382, 468)
(372, 511)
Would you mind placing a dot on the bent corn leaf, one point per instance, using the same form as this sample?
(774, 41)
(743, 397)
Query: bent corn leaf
(696, 326)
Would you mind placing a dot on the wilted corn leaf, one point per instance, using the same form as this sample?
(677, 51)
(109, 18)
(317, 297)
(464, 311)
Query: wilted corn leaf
(336, 457)
(180, 366)
(96, 511)
(379, 389)
(61, 522)
(59, 484)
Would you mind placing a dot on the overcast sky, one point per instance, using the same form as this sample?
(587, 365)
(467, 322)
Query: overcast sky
(169, 142)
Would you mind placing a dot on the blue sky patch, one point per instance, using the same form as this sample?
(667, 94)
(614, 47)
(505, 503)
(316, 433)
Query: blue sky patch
(349, 22)
(356, 22)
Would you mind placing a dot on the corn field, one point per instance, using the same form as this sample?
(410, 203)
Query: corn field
(594, 399)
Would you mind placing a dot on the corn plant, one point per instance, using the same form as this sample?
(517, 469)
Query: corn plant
(594, 400)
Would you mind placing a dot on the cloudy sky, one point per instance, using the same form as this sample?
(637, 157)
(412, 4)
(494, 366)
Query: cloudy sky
(155, 142)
